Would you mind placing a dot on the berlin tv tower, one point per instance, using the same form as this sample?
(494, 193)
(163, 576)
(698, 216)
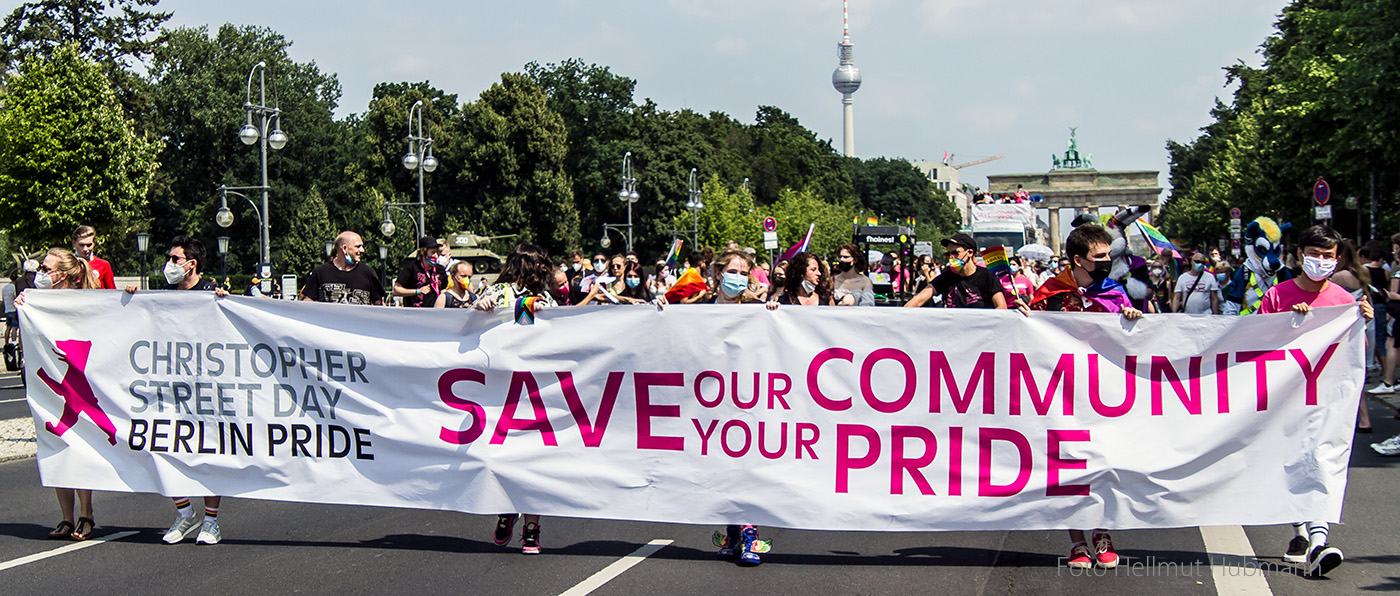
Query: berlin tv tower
(846, 79)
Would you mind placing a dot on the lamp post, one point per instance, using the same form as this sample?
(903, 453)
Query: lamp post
(259, 134)
(330, 248)
(223, 256)
(143, 241)
(224, 217)
(419, 157)
(383, 264)
(628, 195)
(387, 226)
(694, 204)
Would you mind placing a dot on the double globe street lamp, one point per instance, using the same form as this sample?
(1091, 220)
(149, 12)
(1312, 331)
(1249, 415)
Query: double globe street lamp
(419, 157)
(628, 195)
(265, 137)
(694, 204)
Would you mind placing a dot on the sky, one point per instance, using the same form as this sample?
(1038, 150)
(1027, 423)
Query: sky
(976, 78)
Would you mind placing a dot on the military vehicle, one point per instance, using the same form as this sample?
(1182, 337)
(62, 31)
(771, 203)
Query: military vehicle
(486, 265)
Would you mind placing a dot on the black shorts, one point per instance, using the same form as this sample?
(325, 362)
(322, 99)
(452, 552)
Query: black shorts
(12, 319)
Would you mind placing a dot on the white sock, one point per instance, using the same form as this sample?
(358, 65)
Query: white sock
(1300, 530)
(1317, 534)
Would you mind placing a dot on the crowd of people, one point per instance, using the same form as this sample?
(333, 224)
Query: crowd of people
(1333, 271)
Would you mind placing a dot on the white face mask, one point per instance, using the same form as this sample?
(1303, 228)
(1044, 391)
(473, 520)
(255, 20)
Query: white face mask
(43, 281)
(1318, 269)
(173, 273)
(578, 266)
(600, 266)
(442, 261)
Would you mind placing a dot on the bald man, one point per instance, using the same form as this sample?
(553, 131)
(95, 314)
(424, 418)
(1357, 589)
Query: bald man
(344, 279)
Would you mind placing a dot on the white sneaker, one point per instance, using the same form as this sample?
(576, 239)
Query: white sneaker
(1381, 389)
(209, 532)
(181, 529)
(1393, 441)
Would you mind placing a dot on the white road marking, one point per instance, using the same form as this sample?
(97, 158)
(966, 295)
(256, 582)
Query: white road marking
(1233, 578)
(10, 401)
(619, 566)
(63, 550)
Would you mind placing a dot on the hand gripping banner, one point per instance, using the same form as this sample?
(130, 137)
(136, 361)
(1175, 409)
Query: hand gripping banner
(817, 418)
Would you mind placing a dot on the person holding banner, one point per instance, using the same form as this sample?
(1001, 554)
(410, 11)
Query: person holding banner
(1085, 287)
(522, 285)
(850, 285)
(1317, 250)
(183, 272)
(61, 270)
(964, 284)
(344, 279)
(807, 283)
(458, 293)
(736, 284)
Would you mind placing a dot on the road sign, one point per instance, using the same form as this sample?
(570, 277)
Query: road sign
(1322, 192)
(1234, 213)
(1235, 243)
(770, 240)
(770, 224)
(1323, 212)
(1235, 227)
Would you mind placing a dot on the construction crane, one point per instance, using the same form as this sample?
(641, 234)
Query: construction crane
(980, 161)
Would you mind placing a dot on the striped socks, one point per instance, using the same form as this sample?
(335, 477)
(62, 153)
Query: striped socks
(211, 513)
(182, 506)
(1317, 534)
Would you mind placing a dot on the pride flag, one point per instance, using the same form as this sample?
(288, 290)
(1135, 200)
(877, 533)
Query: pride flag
(800, 246)
(689, 284)
(996, 260)
(1159, 243)
(674, 253)
(872, 221)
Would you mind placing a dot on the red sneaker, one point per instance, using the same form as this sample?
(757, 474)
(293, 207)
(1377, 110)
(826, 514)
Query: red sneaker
(1104, 554)
(1079, 557)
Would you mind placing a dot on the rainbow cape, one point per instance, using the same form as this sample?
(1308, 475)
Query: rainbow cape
(1108, 294)
(1159, 243)
(996, 260)
(689, 284)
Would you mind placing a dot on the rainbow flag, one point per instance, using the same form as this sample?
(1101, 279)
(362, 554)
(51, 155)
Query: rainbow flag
(525, 310)
(800, 246)
(996, 260)
(689, 284)
(674, 253)
(872, 221)
(1159, 243)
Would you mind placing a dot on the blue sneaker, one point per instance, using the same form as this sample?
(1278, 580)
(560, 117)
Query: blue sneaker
(728, 543)
(751, 546)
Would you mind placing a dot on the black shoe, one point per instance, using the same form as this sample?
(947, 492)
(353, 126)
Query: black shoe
(1297, 550)
(1323, 559)
(530, 539)
(505, 524)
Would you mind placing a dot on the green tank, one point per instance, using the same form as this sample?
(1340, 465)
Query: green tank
(486, 265)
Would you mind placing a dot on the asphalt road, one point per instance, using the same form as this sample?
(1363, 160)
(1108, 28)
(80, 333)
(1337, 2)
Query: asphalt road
(295, 548)
(12, 404)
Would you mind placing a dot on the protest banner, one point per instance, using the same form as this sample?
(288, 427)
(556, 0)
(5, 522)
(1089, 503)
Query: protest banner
(817, 418)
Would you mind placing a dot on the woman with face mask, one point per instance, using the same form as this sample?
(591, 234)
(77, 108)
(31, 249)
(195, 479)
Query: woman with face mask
(458, 293)
(735, 285)
(61, 270)
(808, 283)
(634, 288)
(606, 286)
(421, 277)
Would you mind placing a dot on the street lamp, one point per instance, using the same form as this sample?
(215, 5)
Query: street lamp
(694, 204)
(420, 153)
(224, 217)
(384, 265)
(223, 256)
(143, 241)
(260, 134)
(387, 226)
(628, 195)
(330, 248)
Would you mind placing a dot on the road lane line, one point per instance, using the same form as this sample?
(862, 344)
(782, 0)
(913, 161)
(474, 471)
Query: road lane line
(1232, 577)
(619, 566)
(63, 550)
(10, 401)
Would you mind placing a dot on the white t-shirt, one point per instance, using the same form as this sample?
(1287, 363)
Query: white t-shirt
(1199, 300)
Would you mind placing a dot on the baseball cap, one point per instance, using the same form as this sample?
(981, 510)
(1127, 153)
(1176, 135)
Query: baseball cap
(427, 242)
(962, 240)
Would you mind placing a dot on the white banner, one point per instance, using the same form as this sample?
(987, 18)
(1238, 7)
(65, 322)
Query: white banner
(1021, 213)
(818, 418)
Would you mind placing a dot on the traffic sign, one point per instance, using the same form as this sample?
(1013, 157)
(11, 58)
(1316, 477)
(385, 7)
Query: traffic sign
(1235, 213)
(770, 224)
(1321, 192)
(1323, 212)
(770, 240)
(1235, 227)
(1235, 243)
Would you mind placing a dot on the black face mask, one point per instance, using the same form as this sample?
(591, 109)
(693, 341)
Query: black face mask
(844, 266)
(1100, 270)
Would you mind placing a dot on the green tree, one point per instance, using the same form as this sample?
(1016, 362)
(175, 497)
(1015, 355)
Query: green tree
(385, 128)
(68, 155)
(513, 167)
(796, 210)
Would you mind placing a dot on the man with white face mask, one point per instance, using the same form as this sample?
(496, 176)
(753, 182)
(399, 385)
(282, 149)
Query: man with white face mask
(182, 271)
(1317, 249)
(423, 276)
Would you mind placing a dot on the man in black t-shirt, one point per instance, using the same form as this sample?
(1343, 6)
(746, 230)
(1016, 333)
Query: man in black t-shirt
(963, 284)
(344, 279)
(422, 277)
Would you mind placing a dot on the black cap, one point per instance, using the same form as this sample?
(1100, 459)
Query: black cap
(427, 242)
(962, 240)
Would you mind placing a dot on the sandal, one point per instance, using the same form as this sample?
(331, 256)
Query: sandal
(80, 533)
(64, 529)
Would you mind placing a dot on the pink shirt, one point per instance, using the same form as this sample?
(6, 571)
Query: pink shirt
(1283, 296)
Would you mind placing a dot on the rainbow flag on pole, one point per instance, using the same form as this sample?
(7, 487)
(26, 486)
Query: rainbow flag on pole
(996, 260)
(674, 253)
(1159, 243)
(800, 246)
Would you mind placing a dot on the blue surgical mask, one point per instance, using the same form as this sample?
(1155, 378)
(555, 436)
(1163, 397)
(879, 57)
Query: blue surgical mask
(349, 260)
(1199, 267)
(1220, 277)
(734, 284)
(633, 282)
(1015, 268)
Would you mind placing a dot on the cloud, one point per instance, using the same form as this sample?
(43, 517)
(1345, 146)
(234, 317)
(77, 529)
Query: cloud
(407, 65)
(731, 45)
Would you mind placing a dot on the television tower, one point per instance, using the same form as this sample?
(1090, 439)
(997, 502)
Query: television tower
(846, 79)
